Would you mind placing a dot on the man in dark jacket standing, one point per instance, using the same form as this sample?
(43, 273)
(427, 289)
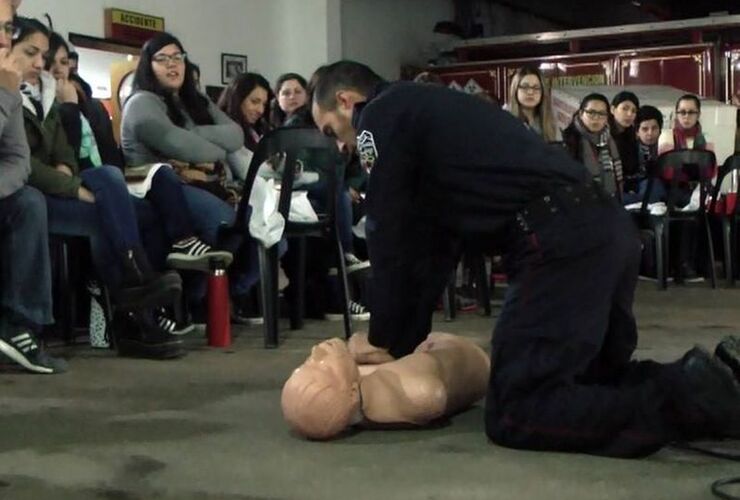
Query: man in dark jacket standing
(446, 170)
(25, 275)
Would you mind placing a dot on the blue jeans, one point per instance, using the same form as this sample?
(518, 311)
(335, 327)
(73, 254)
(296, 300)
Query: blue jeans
(207, 213)
(317, 193)
(658, 193)
(110, 223)
(25, 271)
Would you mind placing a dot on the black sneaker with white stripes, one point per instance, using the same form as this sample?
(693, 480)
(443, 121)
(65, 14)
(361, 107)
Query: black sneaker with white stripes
(20, 345)
(193, 254)
(357, 312)
(170, 325)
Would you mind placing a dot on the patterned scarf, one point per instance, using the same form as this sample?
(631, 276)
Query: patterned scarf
(682, 135)
(645, 155)
(600, 155)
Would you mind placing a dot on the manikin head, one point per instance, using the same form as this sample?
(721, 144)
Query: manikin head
(322, 396)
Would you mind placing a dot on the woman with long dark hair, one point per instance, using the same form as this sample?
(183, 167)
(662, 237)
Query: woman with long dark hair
(166, 119)
(245, 100)
(289, 106)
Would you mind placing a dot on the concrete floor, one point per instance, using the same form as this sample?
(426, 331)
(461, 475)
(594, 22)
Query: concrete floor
(209, 427)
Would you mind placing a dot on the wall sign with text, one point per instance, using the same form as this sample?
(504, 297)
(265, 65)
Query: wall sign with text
(131, 27)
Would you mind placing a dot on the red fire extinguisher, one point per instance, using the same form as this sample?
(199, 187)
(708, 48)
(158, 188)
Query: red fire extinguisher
(219, 322)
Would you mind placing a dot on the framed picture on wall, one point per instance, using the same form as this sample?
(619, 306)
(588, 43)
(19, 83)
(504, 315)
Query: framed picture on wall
(232, 65)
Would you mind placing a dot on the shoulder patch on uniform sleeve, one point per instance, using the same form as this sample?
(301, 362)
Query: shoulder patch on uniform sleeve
(366, 149)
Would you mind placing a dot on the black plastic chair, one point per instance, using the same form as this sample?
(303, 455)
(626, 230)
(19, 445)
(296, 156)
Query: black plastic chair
(290, 142)
(696, 167)
(728, 213)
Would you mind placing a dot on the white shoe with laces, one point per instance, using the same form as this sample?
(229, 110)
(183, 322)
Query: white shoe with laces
(353, 264)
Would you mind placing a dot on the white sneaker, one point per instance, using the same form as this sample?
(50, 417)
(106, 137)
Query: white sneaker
(354, 264)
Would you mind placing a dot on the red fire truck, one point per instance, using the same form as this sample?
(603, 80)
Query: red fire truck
(701, 56)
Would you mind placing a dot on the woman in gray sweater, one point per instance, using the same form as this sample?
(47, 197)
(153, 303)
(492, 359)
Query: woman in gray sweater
(166, 119)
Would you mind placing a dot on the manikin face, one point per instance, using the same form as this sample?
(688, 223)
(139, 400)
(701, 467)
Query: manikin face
(291, 96)
(687, 113)
(648, 132)
(60, 65)
(168, 64)
(594, 115)
(30, 56)
(322, 396)
(625, 113)
(253, 106)
(529, 92)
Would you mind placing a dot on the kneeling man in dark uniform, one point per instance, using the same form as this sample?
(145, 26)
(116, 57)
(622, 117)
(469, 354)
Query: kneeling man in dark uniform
(447, 171)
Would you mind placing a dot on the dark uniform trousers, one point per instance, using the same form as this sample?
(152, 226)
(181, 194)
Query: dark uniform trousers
(562, 377)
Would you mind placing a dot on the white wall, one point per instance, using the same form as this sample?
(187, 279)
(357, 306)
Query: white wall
(277, 35)
(384, 34)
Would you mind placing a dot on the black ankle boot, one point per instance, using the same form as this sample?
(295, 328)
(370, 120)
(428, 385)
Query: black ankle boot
(136, 268)
(137, 334)
(142, 287)
(728, 351)
(708, 397)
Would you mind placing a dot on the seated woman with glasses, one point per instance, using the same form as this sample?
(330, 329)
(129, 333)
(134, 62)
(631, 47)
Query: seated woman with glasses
(167, 120)
(687, 132)
(529, 100)
(589, 141)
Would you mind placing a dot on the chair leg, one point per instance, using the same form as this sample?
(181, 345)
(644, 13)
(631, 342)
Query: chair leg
(660, 254)
(68, 299)
(727, 242)
(710, 253)
(484, 292)
(268, 258)
(344, 285)
(733, 246)
(448, 298)
(298, 305)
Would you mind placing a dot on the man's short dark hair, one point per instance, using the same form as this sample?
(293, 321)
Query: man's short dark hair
(343, 75)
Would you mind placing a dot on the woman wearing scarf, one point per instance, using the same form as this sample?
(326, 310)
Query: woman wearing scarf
(687, 134)
(589, 141)
(622, 127)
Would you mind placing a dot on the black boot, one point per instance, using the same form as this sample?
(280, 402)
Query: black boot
(707, 397)
(728, 351)
(138, 334)
(142, 287)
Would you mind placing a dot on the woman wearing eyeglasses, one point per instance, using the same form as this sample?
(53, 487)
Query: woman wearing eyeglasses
(529, 100)
(589, 141)
(166, 119)
(687, 133)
